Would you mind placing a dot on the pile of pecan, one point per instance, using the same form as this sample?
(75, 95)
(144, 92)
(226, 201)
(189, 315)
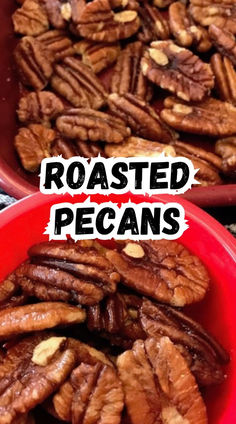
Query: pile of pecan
(90, 334)
(128, 78)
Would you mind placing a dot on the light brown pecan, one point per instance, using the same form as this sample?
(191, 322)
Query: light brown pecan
(127, 76)
(24, 384)
(39, 107)
(97, 55)
(59, 44)
(226, 148)
(224, 41)
(178, 70)
(10, 293)
(97, 21)
(225, 77)
(217, 12)
(162, 269)
(211, 117)
(89, 124)
(33, 144)
(136, 146)
(140, 117)
(184, 29)
(154, 26)
(162, 4)
(78, 84)
(158, 384)
(31, 18)
(33, 63)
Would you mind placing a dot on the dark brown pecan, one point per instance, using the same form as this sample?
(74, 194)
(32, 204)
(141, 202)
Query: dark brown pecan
(31, 18)
(78, 84)
(184, 29)
(226, 148)
(65, 148)
(33, 63)
(207, 163)
(68, 149)
(178, 70)
(154, 26)
(135, 146)
(33, 144)
(225, 77)
(89, 124)
(217, 12)
(140, 117)
(158, 384)
(10, 293)
(97, 21)
(127, 76)
(210, 117)
(59, 44)
(162, 269)
(39, 107)
(97, 55)
(224, 41)
(61, 12)
(89, 150)
(30, 372)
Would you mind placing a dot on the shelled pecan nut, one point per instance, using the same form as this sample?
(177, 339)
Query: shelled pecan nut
(59, 44)
(154, 26)
(88, 124)
(224, 42)
(31, 18)
(226, 148)
(61, 12)
(140, 117)
(39, 107)
(225, 77)
(97, 55)
(10, 293)
(68, 149)
(78, 84)
(217, 12)
(162, 4)
(178, 70)
(65, 148)
(88, 149)
(211, 117)
(33, 63)
(136, 146)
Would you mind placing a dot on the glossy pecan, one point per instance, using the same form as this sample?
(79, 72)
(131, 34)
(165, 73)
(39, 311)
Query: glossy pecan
(78, 84)
(59, 44)
(224, 41)
(211, 117)
(184, 29)
(89, 124)
(226, 148)
(178, 70)
(154, 26)
(98, 55)
(217, 12)
(162, 269)
(225, 77)
(31, 18)
(33, 63)
(140, 117)
(39, 107)
(136, 146)
(10, 293)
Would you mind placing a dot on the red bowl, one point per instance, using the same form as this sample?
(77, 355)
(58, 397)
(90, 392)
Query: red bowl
(23, 224)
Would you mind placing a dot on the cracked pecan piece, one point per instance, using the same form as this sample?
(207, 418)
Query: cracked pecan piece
(154, 26)
(184, 29)
(158, 384)
(162, 269)
(127, 76)
(140, 117)
(58, 43)
(33, 144)
(224, 42)
(39, 107)
(78, 84)
(97, 21)
(33, 63)
(10, 293)
(98, 56)
(226, 148)
(30, 19)
(225, 77)
(178, 70)
(136, 146)
(211, 117)
(217, 12)
(88, 124)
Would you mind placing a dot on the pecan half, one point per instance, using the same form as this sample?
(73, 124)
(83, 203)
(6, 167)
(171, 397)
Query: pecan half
(226, 148)
(97, 55)
(140, 117)
(178, 70)
(65, 148)
(225, 77)
(162, 269)
(31, 18)
(210, 117)
(78, 84)
(89, 150)
(89, 124)
(33, 144)
(185, 31)
(10, 293)
(127, 76)
(59, 44)
(33, 63)
(61, 12)
(135, 146)
(162, 4)
(217, 12)
(224, 41)
(154, 26)
(39, 107)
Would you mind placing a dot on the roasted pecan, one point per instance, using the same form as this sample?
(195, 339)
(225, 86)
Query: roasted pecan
(225, 77)
(207, 163)
(33, 63)
(185, 31)
(140, 117)
(162, 269)
(162, 4)
(39, 107)
(154, 26)
(24, 383)
(68, 149)
(31, 18)
(97, 55)
(127, 76)
(61, 12)
(10, 293)
(135, 146)
(226, 148)
(158, 384)
(33, 144)
(178, 70)
(217, 12)
(78, 84)
(224, 41)
(89, 150)
(89, 124)
(97, 21)
(59, 44)
(65, 148)
(210, 117)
